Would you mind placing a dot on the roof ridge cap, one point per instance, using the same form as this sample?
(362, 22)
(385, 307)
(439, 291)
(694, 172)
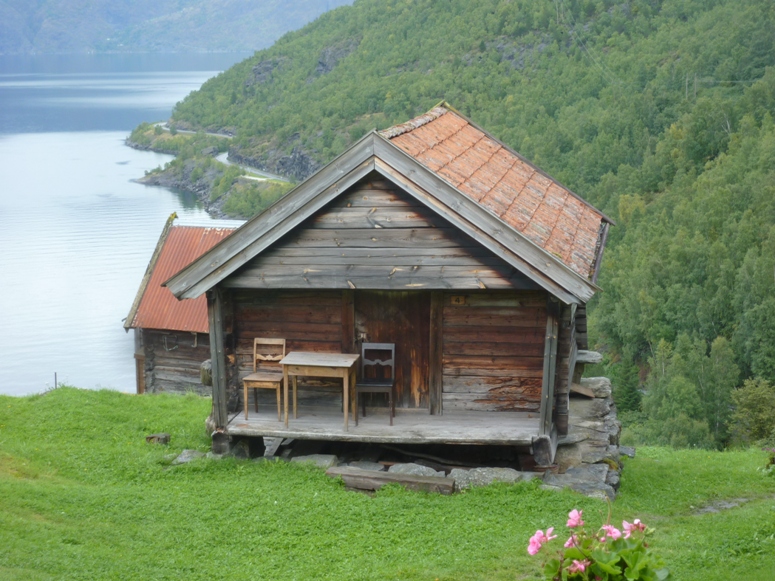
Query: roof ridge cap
(415, 123)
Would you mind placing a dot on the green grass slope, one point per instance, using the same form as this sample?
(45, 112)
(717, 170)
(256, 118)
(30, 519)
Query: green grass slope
(82, 496)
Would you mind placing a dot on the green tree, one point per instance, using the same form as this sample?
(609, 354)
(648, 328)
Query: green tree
(754, 415)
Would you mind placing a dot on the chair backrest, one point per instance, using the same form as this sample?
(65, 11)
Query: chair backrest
(378, 361)
(267, 352)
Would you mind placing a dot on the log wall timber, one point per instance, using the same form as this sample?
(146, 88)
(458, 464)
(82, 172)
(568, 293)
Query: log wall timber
(172, 360)
(492, 350)
(566, 363)
(377, 237)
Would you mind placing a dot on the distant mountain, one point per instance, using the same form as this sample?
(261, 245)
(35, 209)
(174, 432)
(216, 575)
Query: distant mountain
(78, 26)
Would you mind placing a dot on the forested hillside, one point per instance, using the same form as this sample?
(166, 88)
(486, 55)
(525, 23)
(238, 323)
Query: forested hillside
(56, 26)
(658, 112)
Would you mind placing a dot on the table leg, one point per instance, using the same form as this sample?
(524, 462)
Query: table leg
(285, 391)
(353, 399)
(346, 397)
(295, 387)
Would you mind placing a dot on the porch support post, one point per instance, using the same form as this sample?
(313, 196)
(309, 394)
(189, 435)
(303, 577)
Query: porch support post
(217, 355)
(435, 379)
(550, 366)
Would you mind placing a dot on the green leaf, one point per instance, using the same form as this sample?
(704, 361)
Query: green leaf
(552, 568)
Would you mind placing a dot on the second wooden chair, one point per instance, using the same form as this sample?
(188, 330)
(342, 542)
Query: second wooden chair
(378, 375)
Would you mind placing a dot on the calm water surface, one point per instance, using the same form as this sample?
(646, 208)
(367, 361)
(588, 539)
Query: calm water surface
(76, 233)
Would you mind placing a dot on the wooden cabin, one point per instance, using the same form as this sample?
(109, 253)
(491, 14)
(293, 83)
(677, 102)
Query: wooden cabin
(436, 237)
(171, 337)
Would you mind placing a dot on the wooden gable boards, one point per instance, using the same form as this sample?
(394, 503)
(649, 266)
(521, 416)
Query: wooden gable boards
(375, 153)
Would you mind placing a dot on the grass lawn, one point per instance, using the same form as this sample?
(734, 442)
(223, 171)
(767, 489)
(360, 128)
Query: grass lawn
(82, 496)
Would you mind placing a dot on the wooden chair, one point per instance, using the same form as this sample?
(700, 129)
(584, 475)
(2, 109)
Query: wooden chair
(267, 372)
(378, 375)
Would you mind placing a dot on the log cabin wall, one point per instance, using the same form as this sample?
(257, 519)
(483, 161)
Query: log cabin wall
(307, 320)
(492, 350)
(172, 360)
(377, 237)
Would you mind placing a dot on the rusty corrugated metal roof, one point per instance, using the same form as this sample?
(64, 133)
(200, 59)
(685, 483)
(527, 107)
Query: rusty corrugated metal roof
(158, 308)
(499, 179)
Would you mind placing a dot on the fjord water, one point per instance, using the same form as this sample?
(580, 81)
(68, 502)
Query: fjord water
(76, 232)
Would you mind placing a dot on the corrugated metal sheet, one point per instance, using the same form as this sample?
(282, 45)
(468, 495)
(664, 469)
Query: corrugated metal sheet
(503, 182)
(158, 308)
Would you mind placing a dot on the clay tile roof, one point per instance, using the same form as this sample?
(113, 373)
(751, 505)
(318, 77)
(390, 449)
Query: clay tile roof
(158, 308)
(509, 186)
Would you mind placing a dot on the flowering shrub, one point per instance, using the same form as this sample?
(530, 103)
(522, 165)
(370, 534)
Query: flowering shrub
(608, 554)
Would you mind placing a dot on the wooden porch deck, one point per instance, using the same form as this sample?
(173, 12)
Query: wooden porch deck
(410, 427)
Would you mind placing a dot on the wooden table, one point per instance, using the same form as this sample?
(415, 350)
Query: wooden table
(319, 365)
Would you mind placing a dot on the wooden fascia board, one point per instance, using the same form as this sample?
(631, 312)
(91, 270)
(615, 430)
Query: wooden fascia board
(539, 265)
(276, 221)
(128, 322)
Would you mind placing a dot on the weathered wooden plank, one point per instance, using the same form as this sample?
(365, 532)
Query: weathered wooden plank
(489, 372)
(527, 317)
(376, 257)
(369, 197)
(376, 277)
(372, 480)
(376, 217)
(303, 313)
(435, 354)
(379, 238)
(278, 297)
(494, 349)
(453, 384)
(484, 362)
(495, 334)
(324, 333)
(245, 347)
(290, 252)
(495, 299)
(483, 402)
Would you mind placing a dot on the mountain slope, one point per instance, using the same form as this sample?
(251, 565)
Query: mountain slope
(51, 26)
(658, 112)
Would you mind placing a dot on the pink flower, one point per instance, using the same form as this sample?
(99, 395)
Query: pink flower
(574, 519)
(538, 540)
(631, 528)
(612, 531)
(571, 542)
(578, 566)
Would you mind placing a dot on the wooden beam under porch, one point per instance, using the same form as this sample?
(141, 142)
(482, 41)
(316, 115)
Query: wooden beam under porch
(410, 427)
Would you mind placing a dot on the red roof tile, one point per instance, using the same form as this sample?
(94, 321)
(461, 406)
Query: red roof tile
(158, 308)
(507, 185)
